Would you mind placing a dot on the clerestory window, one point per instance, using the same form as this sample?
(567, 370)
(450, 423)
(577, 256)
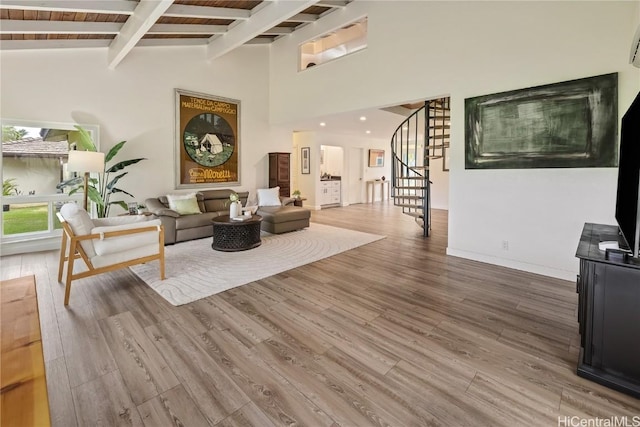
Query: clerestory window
(335, 44)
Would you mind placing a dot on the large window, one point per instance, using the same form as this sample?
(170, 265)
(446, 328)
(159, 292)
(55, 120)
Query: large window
(348, 39)
(34, 157)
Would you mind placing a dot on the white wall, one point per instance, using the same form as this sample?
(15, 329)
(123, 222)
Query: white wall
(309, 184)
(488, 47)
(43, 176)
(439, 186)
(333, 160)
(306, 183)
(135, 102)
(366, 143)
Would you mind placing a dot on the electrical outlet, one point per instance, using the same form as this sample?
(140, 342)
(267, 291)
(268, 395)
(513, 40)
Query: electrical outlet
(505, 245)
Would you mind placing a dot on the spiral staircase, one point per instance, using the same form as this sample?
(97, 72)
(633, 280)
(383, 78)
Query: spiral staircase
(421, 137)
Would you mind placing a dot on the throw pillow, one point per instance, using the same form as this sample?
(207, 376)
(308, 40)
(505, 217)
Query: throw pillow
(188, 203)
(187, 206)
(269, 197)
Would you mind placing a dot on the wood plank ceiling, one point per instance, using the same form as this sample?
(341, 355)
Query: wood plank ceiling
(120, 25)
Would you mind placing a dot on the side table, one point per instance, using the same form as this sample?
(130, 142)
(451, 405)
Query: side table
(373, 184)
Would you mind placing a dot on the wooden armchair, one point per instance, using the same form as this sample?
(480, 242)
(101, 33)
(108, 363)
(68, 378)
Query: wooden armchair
(106, 244)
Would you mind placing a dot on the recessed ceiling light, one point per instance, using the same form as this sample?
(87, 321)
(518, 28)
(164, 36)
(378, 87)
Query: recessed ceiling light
(323, 124)
(368, 131)
(363, 118)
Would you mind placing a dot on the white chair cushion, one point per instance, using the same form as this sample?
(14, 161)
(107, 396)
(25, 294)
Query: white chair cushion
(269, 197)
(125, 244)
(81, 224)
(118, 257)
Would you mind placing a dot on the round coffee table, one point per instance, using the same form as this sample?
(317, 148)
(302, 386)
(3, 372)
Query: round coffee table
(232, 236)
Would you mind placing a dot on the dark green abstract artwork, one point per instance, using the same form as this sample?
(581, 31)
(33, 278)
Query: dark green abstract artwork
(572, 124)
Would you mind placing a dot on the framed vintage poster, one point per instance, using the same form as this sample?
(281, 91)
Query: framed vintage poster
(305, 156)
(376, 158)
(207, 140)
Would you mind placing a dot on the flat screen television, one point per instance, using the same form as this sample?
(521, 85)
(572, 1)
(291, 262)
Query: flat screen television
(628, 196)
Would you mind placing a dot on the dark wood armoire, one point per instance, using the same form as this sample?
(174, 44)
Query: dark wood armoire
(280, 172)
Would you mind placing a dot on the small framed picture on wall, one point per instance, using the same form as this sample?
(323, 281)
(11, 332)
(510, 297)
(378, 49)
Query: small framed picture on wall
(305, 154)
(376, 158)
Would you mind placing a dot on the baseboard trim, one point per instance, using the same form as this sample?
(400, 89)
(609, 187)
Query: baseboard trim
(516, 265)
(26, 246)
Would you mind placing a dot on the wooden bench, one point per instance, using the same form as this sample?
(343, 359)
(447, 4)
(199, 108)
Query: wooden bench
(24, 400)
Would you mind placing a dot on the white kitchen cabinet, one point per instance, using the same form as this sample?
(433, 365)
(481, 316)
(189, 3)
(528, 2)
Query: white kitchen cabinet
(329, 193)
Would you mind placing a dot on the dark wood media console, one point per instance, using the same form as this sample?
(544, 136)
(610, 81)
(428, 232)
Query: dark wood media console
(608, 314)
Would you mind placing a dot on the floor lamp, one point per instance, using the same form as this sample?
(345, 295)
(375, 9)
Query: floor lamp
(87, 162)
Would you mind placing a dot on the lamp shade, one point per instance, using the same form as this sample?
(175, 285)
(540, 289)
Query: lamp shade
(85, 161)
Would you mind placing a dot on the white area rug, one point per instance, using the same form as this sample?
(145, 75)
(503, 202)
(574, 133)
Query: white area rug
(195, 271)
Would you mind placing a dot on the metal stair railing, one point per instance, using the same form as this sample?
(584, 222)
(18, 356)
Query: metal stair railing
(411, 187)
(410, 183)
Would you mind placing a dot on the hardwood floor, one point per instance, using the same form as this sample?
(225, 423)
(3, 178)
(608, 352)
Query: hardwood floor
(391, 333)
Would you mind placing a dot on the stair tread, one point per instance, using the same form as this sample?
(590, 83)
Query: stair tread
(400, 187)
(408, 205)
(415, 214)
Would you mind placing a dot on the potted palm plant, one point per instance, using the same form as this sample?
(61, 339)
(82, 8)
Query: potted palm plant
(102, 188)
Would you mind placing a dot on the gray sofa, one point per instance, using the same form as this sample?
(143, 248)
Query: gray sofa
(213, 203)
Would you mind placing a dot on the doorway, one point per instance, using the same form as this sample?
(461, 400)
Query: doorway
(355, 174)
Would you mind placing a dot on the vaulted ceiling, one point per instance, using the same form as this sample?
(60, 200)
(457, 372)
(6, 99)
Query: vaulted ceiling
(121, 25)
